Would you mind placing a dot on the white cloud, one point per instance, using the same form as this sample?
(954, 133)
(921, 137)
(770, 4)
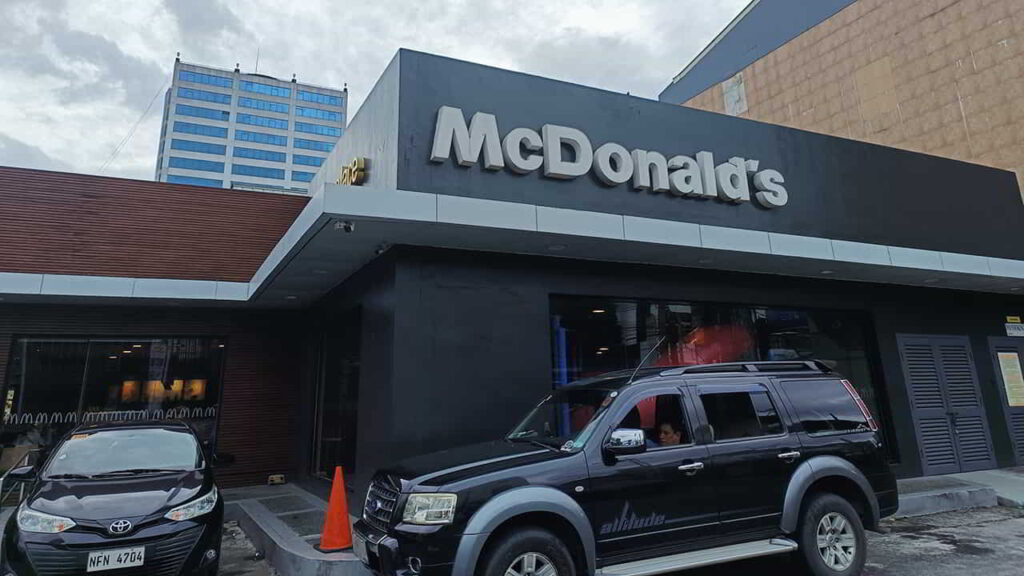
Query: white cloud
(77, 75)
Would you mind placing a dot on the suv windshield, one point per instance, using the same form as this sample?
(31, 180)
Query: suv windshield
(129, 450)
(565, 419)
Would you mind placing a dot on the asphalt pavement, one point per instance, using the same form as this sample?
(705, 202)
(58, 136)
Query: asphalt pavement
(988, 540)
(238, 557)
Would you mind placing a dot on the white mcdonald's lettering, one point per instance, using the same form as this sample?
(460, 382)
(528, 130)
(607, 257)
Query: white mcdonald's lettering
(565, 153)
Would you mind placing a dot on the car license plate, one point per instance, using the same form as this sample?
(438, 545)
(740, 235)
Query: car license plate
(119, 558)
(359, 549)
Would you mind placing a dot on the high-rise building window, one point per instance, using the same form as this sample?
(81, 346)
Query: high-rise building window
(256, 154)
(200, 129)
(267, 89)
(307, 96)
(192, 180)
(193, 146)
(302, 176)
(204, 95)
(257, 104)
(194, 164)
(258, 171)
(318, 129)
(263, 121)
(307, 160)
(314, 145)
(318, 113)
(200, 112)
(200, 78)
(273, 139)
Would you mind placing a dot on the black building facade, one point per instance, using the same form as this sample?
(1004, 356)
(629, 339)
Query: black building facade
(495, 279)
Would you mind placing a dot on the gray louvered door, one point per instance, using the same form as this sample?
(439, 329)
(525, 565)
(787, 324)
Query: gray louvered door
(952, 430)
(1014, 414)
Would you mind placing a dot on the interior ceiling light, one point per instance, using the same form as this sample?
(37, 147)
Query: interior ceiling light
(827, 272)
(290, 297)
(556, 247)
(136, 345)
(598, 311)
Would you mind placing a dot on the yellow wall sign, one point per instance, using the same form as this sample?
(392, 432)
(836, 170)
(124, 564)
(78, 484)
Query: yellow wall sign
(1013, 378)
(353, 174)
(1013, 319)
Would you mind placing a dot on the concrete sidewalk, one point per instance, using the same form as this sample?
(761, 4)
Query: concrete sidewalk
(284, 523)
(934, 494)
(1008, 484)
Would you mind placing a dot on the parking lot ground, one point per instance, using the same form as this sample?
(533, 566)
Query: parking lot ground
(987, 541)
(238, 556)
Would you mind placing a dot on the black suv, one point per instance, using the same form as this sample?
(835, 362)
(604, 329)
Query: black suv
(640, 474)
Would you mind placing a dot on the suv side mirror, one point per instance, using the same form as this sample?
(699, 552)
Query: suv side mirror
(626, 441)
(22, 474)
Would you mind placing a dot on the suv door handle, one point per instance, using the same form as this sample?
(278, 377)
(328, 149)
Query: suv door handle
(692, 469)
(789, 456)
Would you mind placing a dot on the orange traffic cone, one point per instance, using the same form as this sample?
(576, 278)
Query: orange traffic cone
(336, 534)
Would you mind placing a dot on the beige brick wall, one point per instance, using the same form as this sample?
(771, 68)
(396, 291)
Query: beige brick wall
(944, 77)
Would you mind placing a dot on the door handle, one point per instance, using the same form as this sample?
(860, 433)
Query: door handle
(789, 456)
(691, 469)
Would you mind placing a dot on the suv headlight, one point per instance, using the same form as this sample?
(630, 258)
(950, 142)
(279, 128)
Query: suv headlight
(197, 507)
(30, 520)
(429, 509)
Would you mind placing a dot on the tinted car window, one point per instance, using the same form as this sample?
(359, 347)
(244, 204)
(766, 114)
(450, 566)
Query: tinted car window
(734, 415)
(824, 406)
(564, 418)
(105, 451)
(661, 418)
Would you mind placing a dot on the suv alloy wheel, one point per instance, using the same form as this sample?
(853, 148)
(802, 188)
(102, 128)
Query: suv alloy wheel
(832, 540)
(529, 552)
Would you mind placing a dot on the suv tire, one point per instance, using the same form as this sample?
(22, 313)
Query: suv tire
(529, 552)
(832, 539)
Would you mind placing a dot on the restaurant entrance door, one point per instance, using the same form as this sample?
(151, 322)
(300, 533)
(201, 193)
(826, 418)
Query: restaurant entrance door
(334, 442)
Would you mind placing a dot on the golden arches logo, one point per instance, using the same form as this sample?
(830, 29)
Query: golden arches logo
(353, 174)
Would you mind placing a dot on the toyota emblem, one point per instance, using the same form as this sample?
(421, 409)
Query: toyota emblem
(120, 527)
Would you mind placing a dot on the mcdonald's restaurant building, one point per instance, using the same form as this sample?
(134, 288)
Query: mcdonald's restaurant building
(479, 237)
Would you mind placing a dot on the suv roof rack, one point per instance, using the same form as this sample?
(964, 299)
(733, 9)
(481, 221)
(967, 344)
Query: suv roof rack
(749, 367)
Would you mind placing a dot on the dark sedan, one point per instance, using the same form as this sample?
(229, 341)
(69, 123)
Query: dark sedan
(132, 499)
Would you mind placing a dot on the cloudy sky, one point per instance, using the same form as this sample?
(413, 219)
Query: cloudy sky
(77, 75)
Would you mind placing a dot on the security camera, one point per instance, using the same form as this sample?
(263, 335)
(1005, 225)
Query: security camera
(348, 227)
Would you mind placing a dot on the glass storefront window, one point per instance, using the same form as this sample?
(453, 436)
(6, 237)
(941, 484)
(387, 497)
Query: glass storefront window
(55, 383)
(593, 335)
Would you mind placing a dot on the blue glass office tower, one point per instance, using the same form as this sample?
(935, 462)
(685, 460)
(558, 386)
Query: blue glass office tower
(230, 129)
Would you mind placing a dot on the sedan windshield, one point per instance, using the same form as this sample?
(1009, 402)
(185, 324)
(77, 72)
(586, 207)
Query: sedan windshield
(565, 419)
(124, 451)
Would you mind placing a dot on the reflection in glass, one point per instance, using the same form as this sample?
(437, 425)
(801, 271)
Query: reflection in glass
(592, 336)
(56, 383)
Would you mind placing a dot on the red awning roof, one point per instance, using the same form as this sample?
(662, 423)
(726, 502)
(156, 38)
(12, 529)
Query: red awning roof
(63, 223)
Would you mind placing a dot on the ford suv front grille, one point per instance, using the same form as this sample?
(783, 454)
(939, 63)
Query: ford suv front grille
(381, 500)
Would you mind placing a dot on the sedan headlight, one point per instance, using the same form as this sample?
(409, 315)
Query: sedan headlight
(30, 520)
(429, 509)
(197, 507)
